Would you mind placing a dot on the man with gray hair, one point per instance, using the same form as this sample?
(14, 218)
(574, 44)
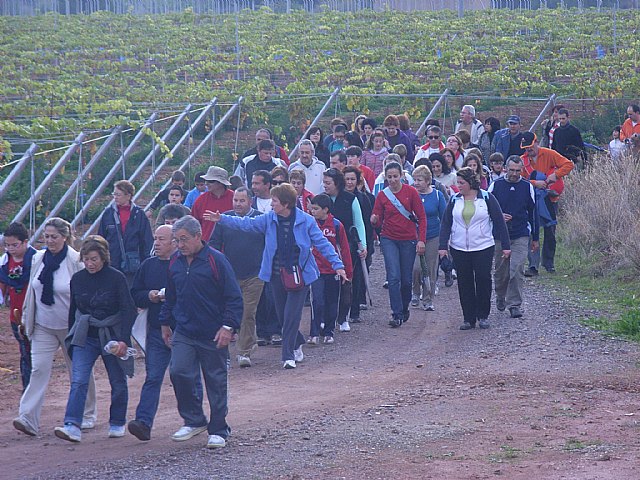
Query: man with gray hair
(517, 200)
(312, 167)
(203, 298)
(470, 123)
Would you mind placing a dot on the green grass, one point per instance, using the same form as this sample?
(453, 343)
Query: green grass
(586, 280)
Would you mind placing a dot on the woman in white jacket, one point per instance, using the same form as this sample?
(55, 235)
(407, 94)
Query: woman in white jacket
(467, 229)
(46, 322)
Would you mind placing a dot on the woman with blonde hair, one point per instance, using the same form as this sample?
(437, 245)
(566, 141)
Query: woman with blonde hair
(46, 322)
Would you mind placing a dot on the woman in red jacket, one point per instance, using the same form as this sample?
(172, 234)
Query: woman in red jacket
(398, 209)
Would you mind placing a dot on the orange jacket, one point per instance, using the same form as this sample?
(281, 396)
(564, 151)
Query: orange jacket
(548, 161)
(629, 129)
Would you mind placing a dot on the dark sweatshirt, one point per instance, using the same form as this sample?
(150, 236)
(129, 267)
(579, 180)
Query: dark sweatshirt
(153, 274)
(101, 295)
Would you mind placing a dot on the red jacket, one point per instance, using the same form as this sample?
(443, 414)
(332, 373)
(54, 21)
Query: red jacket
(303, 201)
(208, 201)
(396, 226)
(328, 229)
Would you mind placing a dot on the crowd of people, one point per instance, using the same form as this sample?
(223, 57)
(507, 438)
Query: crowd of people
(237, 258)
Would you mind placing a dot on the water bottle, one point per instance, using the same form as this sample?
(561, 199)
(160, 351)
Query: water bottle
(112, 347)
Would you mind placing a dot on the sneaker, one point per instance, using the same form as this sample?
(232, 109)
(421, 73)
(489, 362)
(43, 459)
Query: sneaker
(21, 426)
(355, 320)
(139, 430)
(298, 356)
(216, 441)
(344, 327)
(88, 424)
(551, 270)
(263, 342)
(395, 322)
(69, 432)
(289, 364)
(313, 341)
(385, 285)
(185, 433)
(501, 304)
(414, 300)
(484, 323)
(244, 361)
(328, 340)
(515, 312)
(448, 279)
(276, 339)
(116, 431)
(364, 306)
(428, 307)
(531, 272)
(467, 326)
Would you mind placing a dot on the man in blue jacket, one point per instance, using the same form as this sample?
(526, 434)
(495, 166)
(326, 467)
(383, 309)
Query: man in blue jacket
(517, 200)
(204, 299)
(244, 251)
(508, 139)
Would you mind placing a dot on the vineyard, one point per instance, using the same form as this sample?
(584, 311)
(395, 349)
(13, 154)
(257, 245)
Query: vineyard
(62, 73)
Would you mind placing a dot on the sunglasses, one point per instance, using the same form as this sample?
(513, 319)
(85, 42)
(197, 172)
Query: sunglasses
(432, 138)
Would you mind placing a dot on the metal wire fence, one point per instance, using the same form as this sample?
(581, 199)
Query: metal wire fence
(145, 7)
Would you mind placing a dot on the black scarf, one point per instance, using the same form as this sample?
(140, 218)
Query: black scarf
(287, 241)
(51, 264)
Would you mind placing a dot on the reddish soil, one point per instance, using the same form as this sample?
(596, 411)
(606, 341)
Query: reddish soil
(541, 397)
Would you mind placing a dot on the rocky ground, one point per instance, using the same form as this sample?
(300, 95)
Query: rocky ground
(539, 397)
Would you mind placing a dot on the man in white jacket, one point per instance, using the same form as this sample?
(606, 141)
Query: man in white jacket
(470, 123)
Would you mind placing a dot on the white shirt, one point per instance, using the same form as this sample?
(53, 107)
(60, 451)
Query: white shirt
(313, 173)
(263, 204)
(54, 316)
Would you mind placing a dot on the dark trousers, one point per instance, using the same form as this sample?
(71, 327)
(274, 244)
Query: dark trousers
(325, 293)
(289, 309)
(267, 320)
(188, 357)
(156, 360)
(25, 355)
(474, 282)
(358, 288)
(547, 253)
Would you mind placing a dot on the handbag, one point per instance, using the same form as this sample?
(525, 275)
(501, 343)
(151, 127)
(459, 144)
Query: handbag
(292, 281)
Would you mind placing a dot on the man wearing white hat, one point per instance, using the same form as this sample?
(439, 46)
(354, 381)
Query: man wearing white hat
(218, 198)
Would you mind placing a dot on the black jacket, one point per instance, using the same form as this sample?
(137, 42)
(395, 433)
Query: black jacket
(137, 235)
(567, 141)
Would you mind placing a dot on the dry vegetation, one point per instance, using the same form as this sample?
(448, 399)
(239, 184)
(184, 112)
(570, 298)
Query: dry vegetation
(601, 210)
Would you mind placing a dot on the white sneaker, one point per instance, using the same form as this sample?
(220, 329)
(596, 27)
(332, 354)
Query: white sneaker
(116, 431)
(88, 424)
(328, 340)
(216, 441)
(298, 355)
(69, 432)
(289, 364)
(344, 327)
(244, 361)
(313, 341)
(428, 306)
(185, 433)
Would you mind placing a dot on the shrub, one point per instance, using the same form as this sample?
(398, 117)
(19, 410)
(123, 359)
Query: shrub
(601, 209)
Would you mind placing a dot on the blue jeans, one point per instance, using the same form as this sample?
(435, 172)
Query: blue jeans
(156, 361)
(82, 361)
(289, 308)
(267, 321)
(188, 357)
(399, 256)
(548, 248)
(325, 293)
(25, 355)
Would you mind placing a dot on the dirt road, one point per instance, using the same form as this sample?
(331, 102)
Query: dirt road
(541, 397)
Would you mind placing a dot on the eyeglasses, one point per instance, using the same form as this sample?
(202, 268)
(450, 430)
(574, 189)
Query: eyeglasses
(433, 138)
(277, 182)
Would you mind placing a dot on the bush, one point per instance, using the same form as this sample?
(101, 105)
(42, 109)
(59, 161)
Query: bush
(601, 209)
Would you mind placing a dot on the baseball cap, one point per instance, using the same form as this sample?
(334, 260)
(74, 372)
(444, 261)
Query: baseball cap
(513, 119)
(528, 139)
